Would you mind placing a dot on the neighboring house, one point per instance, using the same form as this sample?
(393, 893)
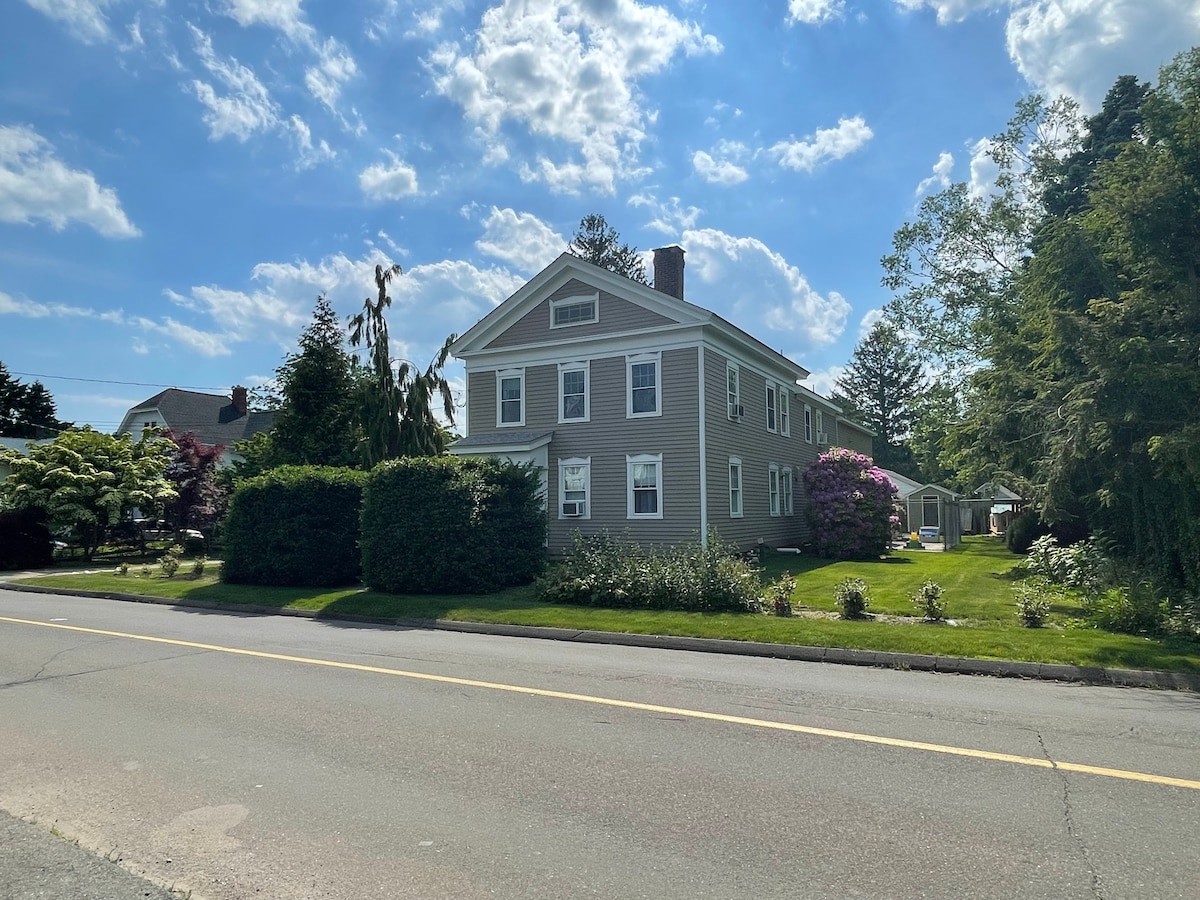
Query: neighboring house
(643, 411)
(21, 445)
(212, 418)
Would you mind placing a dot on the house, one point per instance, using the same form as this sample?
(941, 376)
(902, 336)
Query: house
(212, 418)
(644, 411)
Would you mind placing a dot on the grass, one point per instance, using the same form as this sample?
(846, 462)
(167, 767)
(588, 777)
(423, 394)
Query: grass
(975, 576)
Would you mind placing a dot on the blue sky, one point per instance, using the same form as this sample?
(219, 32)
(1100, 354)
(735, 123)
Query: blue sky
(178, 181)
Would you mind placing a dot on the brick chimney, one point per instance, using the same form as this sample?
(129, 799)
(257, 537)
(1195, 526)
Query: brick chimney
(668, 271)
(239, 399)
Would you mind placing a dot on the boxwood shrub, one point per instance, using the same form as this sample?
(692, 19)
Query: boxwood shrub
(295, 525)
(451, 525)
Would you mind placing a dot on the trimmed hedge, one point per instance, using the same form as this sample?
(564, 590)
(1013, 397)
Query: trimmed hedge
(295, 525)
(451, 525)
(25, 539)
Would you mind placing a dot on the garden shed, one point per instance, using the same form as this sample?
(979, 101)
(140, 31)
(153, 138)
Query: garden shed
(930, 509)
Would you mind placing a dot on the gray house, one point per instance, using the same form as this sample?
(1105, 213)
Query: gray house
(212, 418)
(643, 411)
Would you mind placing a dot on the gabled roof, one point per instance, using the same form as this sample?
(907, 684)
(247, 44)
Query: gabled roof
(474, 341)
(994, 490)
(212, 418)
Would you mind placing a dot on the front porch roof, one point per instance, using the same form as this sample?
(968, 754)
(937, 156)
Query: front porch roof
(500, 442)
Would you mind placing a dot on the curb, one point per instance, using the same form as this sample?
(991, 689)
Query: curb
(957, 665)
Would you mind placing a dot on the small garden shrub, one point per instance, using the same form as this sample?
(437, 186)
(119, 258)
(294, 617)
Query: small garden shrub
(1033, 602)
(295, 525)
(777, 598)
(852, 506)
(169, 561)
(451, 525)
(123, 569)
(607, 571)
(851, 597)
(1130, 609)
(198, 566)
(930, 602)
(24, 539)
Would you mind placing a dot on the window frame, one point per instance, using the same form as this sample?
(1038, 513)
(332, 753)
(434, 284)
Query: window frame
(785, 413)
(773, 489)
(641, 459)
(772, 407)
(735, 490)
(820, 425)
(575, 300)
(733, 373)
(586, 368)
(503, 375)
(640, 359)
(786, 488)
(574, 462)
(808, 424)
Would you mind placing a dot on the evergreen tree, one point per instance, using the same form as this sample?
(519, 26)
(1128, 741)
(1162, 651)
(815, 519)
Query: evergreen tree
(599, 243)
(27, 411)
(316, 421)
(879, 388)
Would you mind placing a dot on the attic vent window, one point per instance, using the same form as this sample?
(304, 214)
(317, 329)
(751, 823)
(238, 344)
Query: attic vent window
(574, 311)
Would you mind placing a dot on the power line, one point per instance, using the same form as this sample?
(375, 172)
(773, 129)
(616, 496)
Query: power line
(110, 381)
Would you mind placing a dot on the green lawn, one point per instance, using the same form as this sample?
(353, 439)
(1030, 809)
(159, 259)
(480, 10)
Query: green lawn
(978, 594)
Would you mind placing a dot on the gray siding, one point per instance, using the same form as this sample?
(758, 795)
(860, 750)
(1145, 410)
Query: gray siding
(853, 438)
(607, 438)
(749, 439)
(616, 315)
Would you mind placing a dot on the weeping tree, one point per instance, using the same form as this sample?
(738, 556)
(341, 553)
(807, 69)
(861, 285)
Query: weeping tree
(396, 398)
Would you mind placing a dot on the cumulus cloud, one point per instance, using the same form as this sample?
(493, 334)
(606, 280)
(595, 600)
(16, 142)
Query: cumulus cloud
(823, 381)
(827, 143)
(762, 287)
(983, 169)
(814, 12)
(246, 106)
(670, 216)
(85, 19)
(952, 10)
(36, 186)
(520, 239)
(284, 15)
(568, 73)
(394, 180)
(940, 179)
(718, 171)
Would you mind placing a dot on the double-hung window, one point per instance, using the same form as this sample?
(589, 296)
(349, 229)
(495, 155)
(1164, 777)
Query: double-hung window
(785, 425)
(732, 377)
(573, 403)
(808, 429)
(645, 486)
(643, 374)
(821, 436)
(510, 397)
(575, 487)
(569, 311)
(772, 406)
(735, 487)
(773, 488)
(785, 489)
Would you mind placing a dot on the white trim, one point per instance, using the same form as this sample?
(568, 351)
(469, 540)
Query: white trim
(808, 424)
(785, 411)
(637, 460)
(586, 463)
(641, 359)
(576, 300)
(503, 375)
(786, 503)
(703, 437)
(771, 406)
(740, 512)
(773, 489)
(734, 405)
(586, 368)
(569, 349)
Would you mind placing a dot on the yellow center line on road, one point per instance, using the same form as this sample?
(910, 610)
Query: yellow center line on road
(1036, 762)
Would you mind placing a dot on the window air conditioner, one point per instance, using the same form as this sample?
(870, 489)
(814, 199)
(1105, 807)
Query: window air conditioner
(573, 509)
(822, 437)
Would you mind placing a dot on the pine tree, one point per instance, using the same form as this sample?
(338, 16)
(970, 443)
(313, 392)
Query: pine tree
(599, 243)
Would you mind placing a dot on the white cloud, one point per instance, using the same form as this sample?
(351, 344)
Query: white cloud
(334, 68)
(760, 285)
(309, 155)
(36, 186)
(206, 343)
(823, 382)
(284, 15)
(814, 12)
(568, 72)
(827, 143)
(715, 171)
(983, 169)
(940, 179)
(670, 217)
(31, 309)
(83, 18)
(247, 106)
(390, 181)
(867, 322)
(952, 10)
(521, 239)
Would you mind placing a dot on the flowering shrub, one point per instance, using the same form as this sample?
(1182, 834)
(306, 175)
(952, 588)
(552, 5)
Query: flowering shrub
(851, 597)
(930, 601)
(852, 505)
(777, 598)
(1033, 601)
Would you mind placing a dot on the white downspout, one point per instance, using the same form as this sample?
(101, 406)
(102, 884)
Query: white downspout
(703, 449)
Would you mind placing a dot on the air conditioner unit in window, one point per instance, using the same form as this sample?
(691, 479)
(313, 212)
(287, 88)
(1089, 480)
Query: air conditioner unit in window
(573, 508)
(822, 437)
(737, 411)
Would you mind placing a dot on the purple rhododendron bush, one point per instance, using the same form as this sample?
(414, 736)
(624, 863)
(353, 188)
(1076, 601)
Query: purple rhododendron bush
(852, 505)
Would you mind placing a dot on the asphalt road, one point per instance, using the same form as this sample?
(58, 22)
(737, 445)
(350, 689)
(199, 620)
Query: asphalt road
(413, 767)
